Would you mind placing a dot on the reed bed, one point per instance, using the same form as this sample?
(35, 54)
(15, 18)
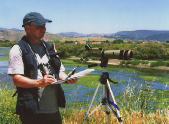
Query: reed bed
(99, 117)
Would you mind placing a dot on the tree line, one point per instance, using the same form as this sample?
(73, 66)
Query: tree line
(142, 51)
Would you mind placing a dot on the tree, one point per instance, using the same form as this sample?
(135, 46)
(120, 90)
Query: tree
(129, 42)
(118, 41)
(151, 50)
(167, 41)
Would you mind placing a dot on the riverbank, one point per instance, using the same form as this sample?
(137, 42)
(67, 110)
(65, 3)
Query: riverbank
(117, 62)
(4, 47)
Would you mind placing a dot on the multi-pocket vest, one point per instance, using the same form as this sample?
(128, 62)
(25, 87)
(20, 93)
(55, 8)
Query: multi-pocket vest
(27, 100)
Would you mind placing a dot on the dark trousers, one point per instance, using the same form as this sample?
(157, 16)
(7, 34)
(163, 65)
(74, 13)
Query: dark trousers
(42, 118)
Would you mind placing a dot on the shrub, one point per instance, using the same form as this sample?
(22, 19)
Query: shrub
(136, 62)
(128, 62)
(144, 62)
(118, 41)
(151, 50)
(122, 62)
(158, 63)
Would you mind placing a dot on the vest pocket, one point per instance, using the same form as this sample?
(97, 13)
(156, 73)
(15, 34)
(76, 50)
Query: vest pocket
(26, 104)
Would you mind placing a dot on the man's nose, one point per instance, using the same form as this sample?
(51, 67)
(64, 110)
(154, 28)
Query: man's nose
(43, 28)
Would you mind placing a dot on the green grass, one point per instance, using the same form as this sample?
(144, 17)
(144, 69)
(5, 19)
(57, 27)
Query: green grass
(162, 98)
(155, 78)
(134, 103)
(6, 52)
(158, 63)
(7, 107)
(134, 62)
(4, 58)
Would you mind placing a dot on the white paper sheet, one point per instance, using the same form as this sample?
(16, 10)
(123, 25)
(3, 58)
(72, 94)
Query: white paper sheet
(77, 75)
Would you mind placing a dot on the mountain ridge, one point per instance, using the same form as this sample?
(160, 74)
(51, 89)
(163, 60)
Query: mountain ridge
(144, 35)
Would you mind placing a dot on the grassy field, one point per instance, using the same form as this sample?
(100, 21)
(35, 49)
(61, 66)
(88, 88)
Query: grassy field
(135, 107)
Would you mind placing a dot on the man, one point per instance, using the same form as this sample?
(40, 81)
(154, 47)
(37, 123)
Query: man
(34, 65)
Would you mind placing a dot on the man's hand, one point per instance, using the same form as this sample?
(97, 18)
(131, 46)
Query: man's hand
(46, 80)
(25, 82)
(63, 76)
(72, 81)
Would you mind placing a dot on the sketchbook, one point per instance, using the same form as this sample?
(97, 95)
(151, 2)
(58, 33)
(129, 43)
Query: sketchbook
(77, 75)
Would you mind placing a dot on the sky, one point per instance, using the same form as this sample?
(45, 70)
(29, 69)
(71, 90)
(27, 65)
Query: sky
(89, 16)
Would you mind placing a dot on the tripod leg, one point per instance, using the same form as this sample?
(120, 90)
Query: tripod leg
(104, 96)
(112, 96)
(86, 116)
(108, 114)
(95, 109)
(106, 109)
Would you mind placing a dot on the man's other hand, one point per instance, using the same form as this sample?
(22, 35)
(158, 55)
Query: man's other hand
(72, 81)
(46, 80)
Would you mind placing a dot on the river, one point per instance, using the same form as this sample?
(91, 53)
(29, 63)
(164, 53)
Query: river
(123, 75)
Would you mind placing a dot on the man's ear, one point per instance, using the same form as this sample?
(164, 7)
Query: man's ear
(27, 27)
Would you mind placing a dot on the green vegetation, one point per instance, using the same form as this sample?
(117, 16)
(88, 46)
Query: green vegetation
(4, 58)
(153, 78)
(7, 106)
(118, 41)
(7, 43)
(143, 51)
(136, 105)
(6, 52)
(151, 50)
(159, 63)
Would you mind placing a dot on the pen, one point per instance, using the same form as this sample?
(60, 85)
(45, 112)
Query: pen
(44, 73)
(72, 72)
(47, 74)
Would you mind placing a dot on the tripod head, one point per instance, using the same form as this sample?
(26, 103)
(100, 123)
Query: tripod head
(103, 63)
(105, 75)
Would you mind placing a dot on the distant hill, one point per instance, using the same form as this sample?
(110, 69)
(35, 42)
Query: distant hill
(15, 35)
(144, 35)
(11, 35)
(15, 29)
(158, 37)
(74, 34)
(141, 33)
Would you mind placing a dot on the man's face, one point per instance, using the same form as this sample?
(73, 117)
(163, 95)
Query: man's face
(36, 31)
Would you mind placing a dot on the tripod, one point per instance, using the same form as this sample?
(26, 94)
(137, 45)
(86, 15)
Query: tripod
(104, 80)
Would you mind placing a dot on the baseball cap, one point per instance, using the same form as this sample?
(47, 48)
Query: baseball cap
(35, 18)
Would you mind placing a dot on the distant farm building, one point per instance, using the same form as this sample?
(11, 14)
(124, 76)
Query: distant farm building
(71, 42)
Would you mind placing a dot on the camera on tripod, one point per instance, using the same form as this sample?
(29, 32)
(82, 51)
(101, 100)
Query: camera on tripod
(104, 79)
(114, 54)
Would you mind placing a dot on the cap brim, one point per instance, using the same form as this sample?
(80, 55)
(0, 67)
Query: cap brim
(41, 22)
